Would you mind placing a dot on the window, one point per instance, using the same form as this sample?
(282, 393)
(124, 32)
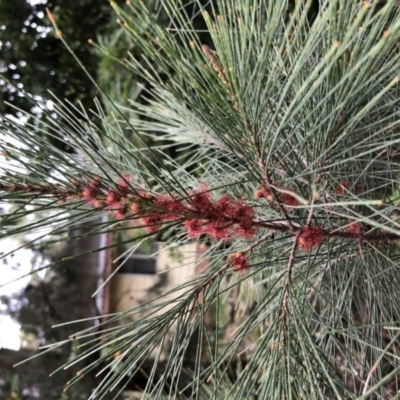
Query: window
(139, 263)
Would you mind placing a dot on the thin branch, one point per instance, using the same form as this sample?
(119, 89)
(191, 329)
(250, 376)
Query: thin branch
(282, 209)
(259, 241)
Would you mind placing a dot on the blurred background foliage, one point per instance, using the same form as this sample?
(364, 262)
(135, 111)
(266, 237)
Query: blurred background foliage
(34, 61)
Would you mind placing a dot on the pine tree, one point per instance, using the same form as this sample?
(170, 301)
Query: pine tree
(289, 123)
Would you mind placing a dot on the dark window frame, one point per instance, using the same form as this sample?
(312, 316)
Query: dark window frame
(139, 264)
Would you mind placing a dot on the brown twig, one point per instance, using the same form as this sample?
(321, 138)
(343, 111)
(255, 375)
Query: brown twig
(220, 71)
(278, 226)
(281, 208)
(259, 241)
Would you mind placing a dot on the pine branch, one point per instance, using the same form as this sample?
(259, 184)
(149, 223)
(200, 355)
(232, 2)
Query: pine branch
(284, 123)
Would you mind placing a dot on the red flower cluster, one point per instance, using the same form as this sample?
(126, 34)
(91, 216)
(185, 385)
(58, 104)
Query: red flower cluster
(166, 208)
(263, 192)
(90, 192)
(310, 236)
(288, 200)
(341, 187)
(200, 214)
(239, 262)
(115, 199)
(354, 228)
(219, 219)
